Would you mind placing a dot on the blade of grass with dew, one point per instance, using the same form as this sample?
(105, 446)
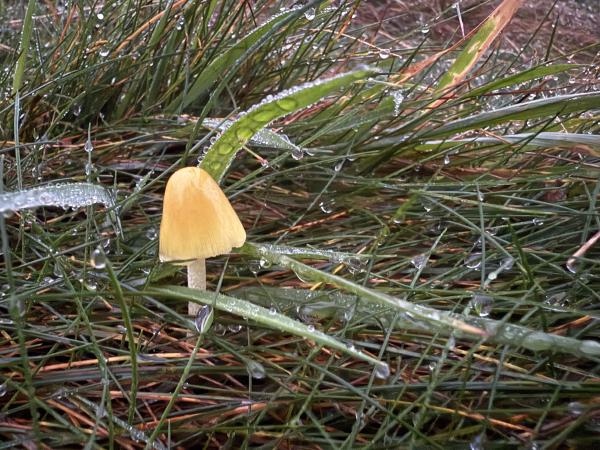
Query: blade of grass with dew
(562, 104)
(545, 139)
(478, 44)
(259, 315)
(441, 321)
(219, 65)
(521, 77)
(70, 195)
(24, 46)
(223, 151)
(438, 319)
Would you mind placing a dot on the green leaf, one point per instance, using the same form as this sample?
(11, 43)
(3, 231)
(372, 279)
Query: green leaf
(262, 316)
(223, 151)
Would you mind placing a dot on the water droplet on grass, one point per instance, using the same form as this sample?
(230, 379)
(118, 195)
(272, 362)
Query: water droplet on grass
(310, 13)
(382, 371)
(398, 98)
(98, 259)
(384, 53)
(254, 266)
(151, 234)
(576, 408)
(256, 370)
(297, 153)
(327, 206)
(482, 304)
(204, 318)
(419, 261)
(572, 265)
(3, 389)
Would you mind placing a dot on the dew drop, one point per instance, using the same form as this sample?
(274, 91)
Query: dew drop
(297, 153)
(482, 304)
(311, 328)
(204, 319)
(272, 310)
(327, 206)
(310, 14)
(264, 263)
(419, 261)
(98, 259)
(254, 266)
(382, 371)
(100, 16)
(104, 52)
(256, 370)
(384, 53)
(151, 234)
(3, 389)
(576, 408)
(572, 265)
(339, 165)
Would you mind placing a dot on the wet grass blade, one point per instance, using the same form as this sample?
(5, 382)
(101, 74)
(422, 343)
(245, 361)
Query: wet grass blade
(221, 63)
(24, 46)
(437, 319)
(563, 104)
(521, 77)
(221, 153)
(262, 316)
(478, 44)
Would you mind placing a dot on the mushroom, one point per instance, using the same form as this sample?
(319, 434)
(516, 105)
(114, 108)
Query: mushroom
(198, 222)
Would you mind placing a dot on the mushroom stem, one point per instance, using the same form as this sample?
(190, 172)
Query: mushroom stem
(196, 280)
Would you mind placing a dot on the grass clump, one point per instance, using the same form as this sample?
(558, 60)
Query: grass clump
(434, 215)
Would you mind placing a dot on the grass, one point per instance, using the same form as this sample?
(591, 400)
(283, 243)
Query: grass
(406, 216)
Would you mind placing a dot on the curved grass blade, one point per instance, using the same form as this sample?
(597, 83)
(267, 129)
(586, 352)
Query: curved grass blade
(437, 319)
(444, 322)
(222, 152)
(72, 195)
(478, 44)
(521, 77)
(261, 316)
(264, 137)
(544, 139)
(562, 104)
(219, 65)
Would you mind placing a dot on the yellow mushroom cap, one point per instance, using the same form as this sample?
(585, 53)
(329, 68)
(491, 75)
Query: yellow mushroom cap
(198, 221)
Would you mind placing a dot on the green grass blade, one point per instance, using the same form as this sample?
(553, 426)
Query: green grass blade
(563, 104)
(24, 46)
(437, 319)
(478, 44)
(222, 152)
(219, 65)
(521, 77)
(262, 316)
